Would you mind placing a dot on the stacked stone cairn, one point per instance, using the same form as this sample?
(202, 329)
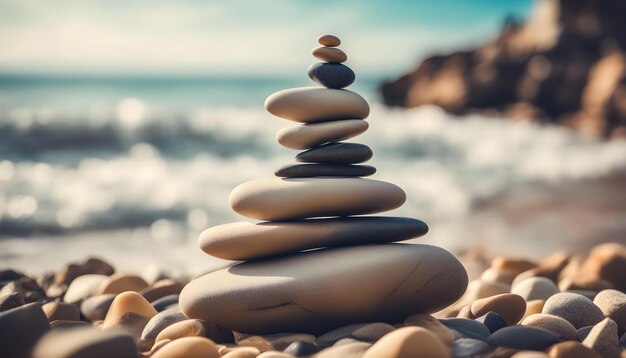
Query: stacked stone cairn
(314, 263)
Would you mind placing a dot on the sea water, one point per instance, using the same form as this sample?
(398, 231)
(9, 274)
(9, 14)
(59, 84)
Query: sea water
(132, 169)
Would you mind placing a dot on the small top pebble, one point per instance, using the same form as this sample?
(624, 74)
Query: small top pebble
(329, 40)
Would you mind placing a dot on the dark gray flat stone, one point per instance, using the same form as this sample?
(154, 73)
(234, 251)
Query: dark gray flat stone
(331, 74)
(466, 328)
(469, 347)
(336, 153)
(493, 321)
(523, 337)
(324, 170)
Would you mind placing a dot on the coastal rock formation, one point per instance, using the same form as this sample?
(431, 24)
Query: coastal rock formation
(315, 265)
(565, 65)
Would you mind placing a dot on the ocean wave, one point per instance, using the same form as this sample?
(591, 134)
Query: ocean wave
(139, 166)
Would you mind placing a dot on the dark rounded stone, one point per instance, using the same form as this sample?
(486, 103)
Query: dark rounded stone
(583, 332)
(523, 337)
(466, 328)
(336, 153)
(162, 303)
(324, 170)
(622, 341)
(493, 321)
(11, 300)
(301, 349)
(468, 347)
(331, 74)
(20, 328)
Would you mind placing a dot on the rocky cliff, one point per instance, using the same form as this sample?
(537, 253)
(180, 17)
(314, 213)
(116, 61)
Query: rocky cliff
(565, 65)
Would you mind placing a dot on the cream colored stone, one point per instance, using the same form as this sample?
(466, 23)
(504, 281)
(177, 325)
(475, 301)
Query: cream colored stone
(316, 291)
(306, 136)
(83, 287)
(315, 104)
(118, 283)
(188, 347)
(409, 342)
(282, 199)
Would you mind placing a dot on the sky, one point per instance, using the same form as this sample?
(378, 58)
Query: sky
(261, 37)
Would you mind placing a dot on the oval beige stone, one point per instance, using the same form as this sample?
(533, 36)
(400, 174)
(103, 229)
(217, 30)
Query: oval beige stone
(316, 291)
(329, 40)
(277, 199)
(557, 325)
(413, 342)
(244, 241)
(312, 135)
(329, 54)
(316, 104)
(188, 347)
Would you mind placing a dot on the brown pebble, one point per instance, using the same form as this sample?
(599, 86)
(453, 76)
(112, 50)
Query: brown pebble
(606, 262)
(432, 324)
(161, 289)
(130, 312)
(512, 264)
(119, 283)
(85, 343)
(61, 311)
(613, 305)
(557, 325)
(195, 328)
(508, 305)
(533, 307)
(572, 349)
(603, 339)
(242, 352)
(329, 54)
(465, 312)
(188, 347)
(414, 342)
(91, 266)
(494, 275)
(329, 40)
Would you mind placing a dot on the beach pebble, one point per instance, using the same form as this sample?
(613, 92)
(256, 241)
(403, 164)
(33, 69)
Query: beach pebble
(360, 331)
(468, 348)
(331, 74)
(329, 40)
(28, 287)
(11, 300)
(494, 275)
(572, 349)
(314, 104)
(493, 321)
(95, 308)
(509, 306)
(478, 289)
(280, 341)
(83, 287)
(161, 289)
(557, 325)
(577, 309)
(20, 328)
(130, 312)
(329, 54)
(305, 136)
(613, 305)
(61, 311)
(535, 288)
(432, 324)
(245, 241)
(336, 153)
(583, 332)
(91, 266)
(414, 342)
(85, 343)
(164, 303)
(603, 339)
(284, 294)
(301, 349)
(350, 350)
(195, 328)
(522, 337)
(119, 283)
(606, 262)
(160, 321)
(188, 347)
(467, 328)
(533, 307)
(242, 352)
(514, 265)
(259, 342)
(324, 170)
(277, 199)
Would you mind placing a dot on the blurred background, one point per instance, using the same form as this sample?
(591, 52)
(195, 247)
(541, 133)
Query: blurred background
(124, 125)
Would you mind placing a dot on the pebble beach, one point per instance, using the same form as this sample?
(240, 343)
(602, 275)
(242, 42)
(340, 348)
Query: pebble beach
(321, 271)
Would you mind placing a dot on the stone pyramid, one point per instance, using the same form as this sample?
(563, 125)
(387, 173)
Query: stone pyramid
(314, 263)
